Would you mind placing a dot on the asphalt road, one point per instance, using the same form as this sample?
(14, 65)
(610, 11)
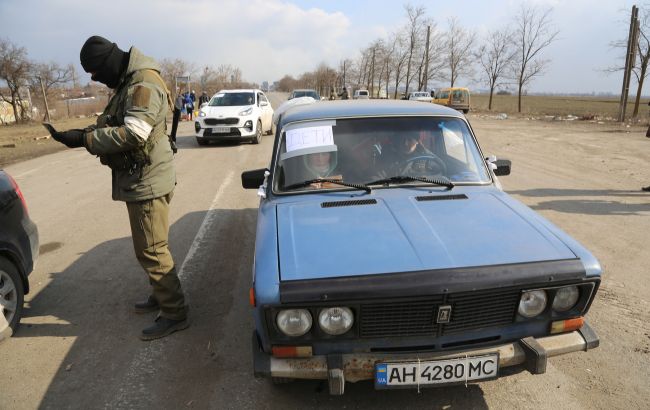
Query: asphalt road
(78, 346)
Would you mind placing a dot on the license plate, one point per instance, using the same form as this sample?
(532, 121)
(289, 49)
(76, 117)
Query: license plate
(221, 129)
(436, 372)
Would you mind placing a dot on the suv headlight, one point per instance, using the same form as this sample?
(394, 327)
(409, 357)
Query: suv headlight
(335, 320)
(565, 298)
(532, 303)
(294, 322)
(202, 114)
(247, 111)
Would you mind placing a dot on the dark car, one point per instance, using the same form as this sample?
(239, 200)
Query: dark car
(18, 253)
(304, 93)
(386, 250)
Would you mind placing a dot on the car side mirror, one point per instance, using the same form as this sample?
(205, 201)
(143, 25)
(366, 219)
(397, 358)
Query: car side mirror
(503, 167)
(253, 179)
(264, 104)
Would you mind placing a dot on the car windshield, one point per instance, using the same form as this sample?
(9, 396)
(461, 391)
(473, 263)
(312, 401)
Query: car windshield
(306, 93)
(366, 150)
(232, 99)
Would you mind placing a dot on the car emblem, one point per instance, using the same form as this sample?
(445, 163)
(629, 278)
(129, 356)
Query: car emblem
(444, 314)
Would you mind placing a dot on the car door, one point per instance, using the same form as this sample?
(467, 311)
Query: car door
(267, 111)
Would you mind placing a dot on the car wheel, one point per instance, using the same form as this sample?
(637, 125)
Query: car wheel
(270, 131)
(258, 133)
(12, 294)
(201, 141)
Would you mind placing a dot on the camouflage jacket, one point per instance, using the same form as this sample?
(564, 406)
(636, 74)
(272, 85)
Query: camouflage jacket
(130, 136)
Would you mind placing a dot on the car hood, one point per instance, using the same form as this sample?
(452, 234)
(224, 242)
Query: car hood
(215, 112)
(401, 234)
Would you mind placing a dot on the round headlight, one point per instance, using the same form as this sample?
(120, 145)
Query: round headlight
(532, 303)
(294, 322)
(202, 114)
(565, 298)
(335, 320)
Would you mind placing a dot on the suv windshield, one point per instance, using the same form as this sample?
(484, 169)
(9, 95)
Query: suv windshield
(305, 93)
(232, 99)
(365, 150)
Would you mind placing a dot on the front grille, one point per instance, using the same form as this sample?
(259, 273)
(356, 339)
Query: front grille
(474, 310)
(399, 318)
(469, 311)
(221, 121)
(234, 132)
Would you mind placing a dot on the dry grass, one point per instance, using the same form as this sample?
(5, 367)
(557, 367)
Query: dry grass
(600, 107)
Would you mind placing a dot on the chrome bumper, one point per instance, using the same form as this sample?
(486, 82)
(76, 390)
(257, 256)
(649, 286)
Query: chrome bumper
(339, 368)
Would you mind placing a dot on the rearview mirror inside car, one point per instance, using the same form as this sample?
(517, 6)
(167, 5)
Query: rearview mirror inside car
(253, 179)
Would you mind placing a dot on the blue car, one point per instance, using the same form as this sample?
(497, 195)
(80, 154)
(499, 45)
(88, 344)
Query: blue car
(386, 250)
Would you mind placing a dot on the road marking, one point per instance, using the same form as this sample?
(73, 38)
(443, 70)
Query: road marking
(206, 224)
(135, 388)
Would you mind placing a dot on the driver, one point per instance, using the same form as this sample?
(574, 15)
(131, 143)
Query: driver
(410, 157)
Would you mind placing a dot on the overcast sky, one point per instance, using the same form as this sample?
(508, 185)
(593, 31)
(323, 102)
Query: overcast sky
(267, 39)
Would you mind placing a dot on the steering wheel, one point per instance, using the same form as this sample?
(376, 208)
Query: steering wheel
(424, 165)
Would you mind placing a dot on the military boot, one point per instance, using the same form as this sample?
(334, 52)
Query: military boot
(149, 305)
(164, 327)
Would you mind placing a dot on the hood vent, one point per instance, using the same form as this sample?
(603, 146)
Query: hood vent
(348, 203)
(440, 197)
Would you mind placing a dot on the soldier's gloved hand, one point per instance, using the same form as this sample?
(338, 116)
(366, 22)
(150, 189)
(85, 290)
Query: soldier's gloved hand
(70, 138)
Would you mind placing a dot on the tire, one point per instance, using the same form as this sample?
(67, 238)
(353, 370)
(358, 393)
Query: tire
(270, 131)
(201, 141)
(258, 133)
(12, 296)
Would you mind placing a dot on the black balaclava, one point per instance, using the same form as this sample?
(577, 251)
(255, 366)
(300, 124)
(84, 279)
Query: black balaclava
(104, 59)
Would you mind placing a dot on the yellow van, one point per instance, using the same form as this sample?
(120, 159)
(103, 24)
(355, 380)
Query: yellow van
(456, 97)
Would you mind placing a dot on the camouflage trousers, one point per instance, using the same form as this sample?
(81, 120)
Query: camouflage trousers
(150, 232)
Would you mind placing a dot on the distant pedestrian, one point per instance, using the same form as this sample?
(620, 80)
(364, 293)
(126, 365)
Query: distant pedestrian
(344, 94)
(189, 106)
(203, 99)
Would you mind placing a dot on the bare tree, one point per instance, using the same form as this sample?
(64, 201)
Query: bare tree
(401, 58)
(432, 68)
(14, 71)
(458, 49)
(532, 34)
(171, 69)
(413, 34)
(52, 75)
(495, 56)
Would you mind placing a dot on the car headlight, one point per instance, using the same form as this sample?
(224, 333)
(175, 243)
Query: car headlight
(565, 298)
(247, 111)
(335, 320)
(532, 303)
(294, 322)
(202, 114)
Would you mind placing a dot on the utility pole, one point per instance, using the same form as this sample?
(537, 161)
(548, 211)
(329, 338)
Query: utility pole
(426, 62)
(630, 56)
(47, 108)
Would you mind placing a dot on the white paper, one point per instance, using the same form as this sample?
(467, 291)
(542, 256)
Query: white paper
(309, 137)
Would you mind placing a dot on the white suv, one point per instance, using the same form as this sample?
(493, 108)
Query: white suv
(234, 115)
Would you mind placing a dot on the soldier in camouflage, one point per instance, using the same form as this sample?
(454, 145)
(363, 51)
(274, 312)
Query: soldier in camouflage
(130, 137)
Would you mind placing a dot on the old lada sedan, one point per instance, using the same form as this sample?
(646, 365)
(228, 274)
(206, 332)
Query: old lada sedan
(386, 250)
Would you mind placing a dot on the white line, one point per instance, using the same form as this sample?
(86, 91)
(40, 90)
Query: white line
(135, 387)
(207, 223)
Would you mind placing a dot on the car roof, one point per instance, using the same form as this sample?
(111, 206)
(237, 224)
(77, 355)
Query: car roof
(304, 89)
(364, 108)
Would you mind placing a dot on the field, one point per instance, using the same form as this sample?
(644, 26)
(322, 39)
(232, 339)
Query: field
(602, 108)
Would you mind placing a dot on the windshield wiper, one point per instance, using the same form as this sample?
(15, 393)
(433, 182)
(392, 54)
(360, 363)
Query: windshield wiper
(400, 179)
(331, 181)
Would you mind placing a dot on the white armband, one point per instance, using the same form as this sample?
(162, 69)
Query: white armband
(140, 128)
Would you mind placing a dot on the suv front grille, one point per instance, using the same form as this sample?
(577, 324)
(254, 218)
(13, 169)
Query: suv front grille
(221, 121)
(469, 310)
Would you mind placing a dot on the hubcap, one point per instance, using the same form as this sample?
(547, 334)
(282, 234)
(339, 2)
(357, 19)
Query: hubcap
(8, 299)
